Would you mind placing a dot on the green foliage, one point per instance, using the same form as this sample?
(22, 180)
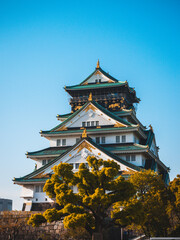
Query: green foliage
(173, 208)
(98, 189)
(147, 208)
(36, 220)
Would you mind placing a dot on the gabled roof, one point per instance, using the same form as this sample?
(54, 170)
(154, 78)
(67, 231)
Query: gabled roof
(103, 72)
(32, 176)
(96, 105)
(150, 137)
(51, 151)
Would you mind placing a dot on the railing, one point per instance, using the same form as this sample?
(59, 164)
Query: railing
(97, 97)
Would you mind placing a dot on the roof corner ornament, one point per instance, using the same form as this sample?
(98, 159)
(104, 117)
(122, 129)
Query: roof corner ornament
(84, 134)
(151, 128)
(90, 97)
(98, 64)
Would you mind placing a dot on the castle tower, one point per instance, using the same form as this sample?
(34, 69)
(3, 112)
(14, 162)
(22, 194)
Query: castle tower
(102, 123)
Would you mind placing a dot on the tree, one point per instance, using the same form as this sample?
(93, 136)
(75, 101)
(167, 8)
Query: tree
(173, 208)
(147, 208)
(99, 187)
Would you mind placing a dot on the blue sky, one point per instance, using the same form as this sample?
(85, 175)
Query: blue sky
(45, 45)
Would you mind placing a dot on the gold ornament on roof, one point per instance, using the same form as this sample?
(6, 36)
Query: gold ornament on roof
(151, 128)
(98, 64)
(90, 97)
(84, 134)
(84, 145)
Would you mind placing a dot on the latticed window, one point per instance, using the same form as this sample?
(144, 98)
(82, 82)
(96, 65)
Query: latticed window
(123, 138)
(133, 158)
(37, 188)
(58, 142)
(103, 140)
(97, 123)
(83, 124)
(44, 162)
(117, 139)
(76, 165)
(63, 142)
(97, 139)
(127, 158)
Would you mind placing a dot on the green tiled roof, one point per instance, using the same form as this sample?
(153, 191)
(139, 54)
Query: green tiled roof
(91, 86)
(89, 130)
(31, 180)
(49, 151)
(150, 137)
(64, 115)
(127, 148)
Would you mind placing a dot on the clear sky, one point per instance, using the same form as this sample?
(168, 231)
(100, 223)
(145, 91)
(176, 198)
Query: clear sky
(45, 45)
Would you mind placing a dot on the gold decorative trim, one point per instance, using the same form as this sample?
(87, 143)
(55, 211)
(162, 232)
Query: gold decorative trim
(117, 124)
(90, 97)
(98, 64)
(84, 145)
(84, 134)
(114, 105)
(90, 106)
(63, 128)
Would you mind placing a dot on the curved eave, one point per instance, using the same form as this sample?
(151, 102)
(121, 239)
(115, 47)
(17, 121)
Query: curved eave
(20, 181)
(93, 131)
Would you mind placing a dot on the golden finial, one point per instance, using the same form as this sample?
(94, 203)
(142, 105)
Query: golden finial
(151, 128)
(98, 64)
(27, 153)
(90, 97)
(84, 134)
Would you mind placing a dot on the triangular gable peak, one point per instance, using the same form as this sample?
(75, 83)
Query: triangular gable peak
(77, 155)
(99, 76)
(92, 112)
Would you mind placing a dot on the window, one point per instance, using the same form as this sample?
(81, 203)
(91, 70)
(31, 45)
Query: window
(123, 138)
(36, 199)
(100, 80)
(58, 142)
(83, 124)
(45, 199)
(92, 123)
(133, 158)
(44, 162)
(103, 140)
(118, 139)
(49, 160)
(77, 139)
(88, 124)
(37, 188)
(41, 186)
(97, 139)
(127, 158)
(97, 123)
(63, 142)
(76, 165)
(96, 81)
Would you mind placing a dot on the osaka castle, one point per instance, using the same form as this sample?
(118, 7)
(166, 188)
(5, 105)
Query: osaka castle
(102, 122)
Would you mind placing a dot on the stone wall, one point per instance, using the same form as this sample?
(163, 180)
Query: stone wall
(13, 225)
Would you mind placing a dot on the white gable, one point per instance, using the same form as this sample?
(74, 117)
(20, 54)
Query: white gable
(90, 114)
(97, 77)
(80, 153)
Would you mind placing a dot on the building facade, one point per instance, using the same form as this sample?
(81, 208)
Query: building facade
(102, 123)
(5, 204)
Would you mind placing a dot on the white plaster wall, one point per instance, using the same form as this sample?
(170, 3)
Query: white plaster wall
(139, 159)
(27, 191)
(110, 138)
(98, 76)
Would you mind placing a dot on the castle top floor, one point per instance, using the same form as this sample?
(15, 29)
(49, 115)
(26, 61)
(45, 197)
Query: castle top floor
(109, 92)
